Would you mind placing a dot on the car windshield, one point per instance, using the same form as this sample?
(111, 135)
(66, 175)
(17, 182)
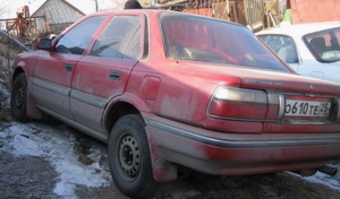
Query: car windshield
(324, 45)
(195, 38)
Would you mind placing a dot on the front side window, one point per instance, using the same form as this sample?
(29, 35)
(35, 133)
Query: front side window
(121, 39)
(207, 40)
(324, 45)
(283, 45)
(77, 39)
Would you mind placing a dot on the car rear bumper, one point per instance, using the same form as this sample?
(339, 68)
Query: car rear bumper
(239, 154)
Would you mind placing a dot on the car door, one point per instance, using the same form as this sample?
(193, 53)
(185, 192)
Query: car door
(321, 55)
(51, 79)
(104, 72)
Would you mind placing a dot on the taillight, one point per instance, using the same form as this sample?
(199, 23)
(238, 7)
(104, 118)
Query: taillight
(244, 104)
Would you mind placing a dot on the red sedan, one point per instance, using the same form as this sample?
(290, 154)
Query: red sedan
(167, 89)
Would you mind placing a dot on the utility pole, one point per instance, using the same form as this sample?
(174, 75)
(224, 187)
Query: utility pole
(96, 2)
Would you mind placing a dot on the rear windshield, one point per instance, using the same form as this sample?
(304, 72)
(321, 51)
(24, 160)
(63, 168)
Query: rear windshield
(196, 38)
(324, 45)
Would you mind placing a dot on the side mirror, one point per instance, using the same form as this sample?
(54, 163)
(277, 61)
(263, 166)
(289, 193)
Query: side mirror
(43, 44)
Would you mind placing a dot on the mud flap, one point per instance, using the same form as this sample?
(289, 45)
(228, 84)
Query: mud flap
(162, 170)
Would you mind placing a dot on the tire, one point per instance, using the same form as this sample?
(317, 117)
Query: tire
(18, 98)
(129, 157)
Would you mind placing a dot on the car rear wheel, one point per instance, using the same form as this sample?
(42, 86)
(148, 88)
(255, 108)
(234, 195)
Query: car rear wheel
(18, 98)
(129, 157)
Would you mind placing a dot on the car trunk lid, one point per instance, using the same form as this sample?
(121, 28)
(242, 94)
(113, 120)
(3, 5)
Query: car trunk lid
(313, 103)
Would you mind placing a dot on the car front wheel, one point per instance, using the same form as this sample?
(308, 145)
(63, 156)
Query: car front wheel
(129, 157)
(18, 98)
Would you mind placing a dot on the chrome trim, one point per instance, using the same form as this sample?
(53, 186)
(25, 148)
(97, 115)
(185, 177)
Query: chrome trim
(241, 143)
(88, 98)
(66, 91)
(237, 119)
(102, 136)
(303, 122)
(282, 107)
(337, 101)
(62, 90)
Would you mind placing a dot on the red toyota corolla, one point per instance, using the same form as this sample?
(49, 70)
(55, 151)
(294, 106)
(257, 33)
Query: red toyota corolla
(167, 89)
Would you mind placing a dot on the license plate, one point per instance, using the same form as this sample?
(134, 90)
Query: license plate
(307, 108)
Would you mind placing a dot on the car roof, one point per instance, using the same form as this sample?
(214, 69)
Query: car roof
(156, 11)
(148, 10)
(301, 29)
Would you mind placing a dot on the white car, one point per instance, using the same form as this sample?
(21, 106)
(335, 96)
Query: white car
(310, 49)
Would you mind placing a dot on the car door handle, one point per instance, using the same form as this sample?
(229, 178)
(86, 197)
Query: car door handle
(68, 67)
(115, 75)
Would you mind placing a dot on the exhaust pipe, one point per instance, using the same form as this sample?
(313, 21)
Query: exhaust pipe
(305, 173)
(329, 170)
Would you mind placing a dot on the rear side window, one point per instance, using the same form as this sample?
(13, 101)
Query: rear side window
(78, 38)
(120, 39)
(324, 45)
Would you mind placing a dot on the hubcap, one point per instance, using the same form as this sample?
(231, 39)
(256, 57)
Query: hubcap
(129, 156)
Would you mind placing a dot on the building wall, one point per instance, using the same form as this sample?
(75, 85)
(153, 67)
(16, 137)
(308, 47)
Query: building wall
(58, 15)
(306, 11)
(59, 12)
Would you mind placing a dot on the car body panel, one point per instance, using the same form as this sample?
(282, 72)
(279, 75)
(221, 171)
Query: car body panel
(51, 82)
(182, 99)
(246, 153)
(93, 89)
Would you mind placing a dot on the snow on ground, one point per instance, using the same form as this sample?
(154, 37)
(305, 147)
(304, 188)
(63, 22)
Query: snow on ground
(57, 146)
(331, 181)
